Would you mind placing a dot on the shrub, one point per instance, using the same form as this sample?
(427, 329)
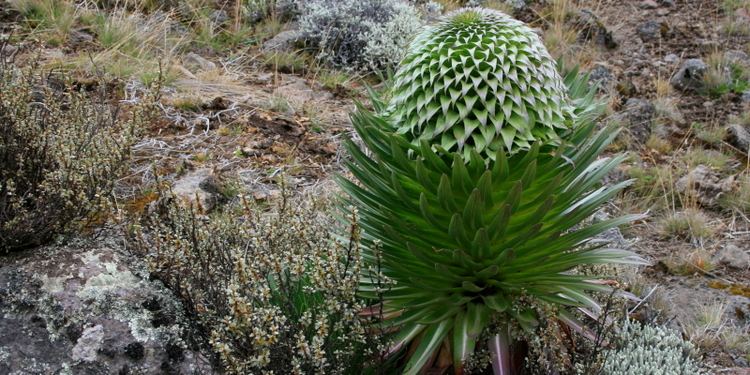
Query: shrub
(484, 244)
(362, 35)
(61, 151)
(270, 292)
(645, 349)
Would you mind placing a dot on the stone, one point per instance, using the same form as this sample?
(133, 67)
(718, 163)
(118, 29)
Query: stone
(738, 136)
(733, 256)
(283, 41)
(690, 75)
(298, 92)
(196, 63)
(705, 185)
(671, 58)
(591, 28)
(649, 4)
(219, 17)
(200, 187)
(7, 50)
(649, 31)
(736, 57)
(81, 308)
(77, 37)
(637, 116)
(288, 9)
(745, 97)
(601, 75)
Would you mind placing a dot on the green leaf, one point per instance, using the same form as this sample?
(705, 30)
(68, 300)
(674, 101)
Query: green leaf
(429, 343)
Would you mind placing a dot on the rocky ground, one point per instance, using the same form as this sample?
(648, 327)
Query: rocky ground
(231, 125)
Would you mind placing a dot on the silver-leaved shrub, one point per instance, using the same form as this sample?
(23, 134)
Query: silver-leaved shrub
(362, 35)
(646, 349)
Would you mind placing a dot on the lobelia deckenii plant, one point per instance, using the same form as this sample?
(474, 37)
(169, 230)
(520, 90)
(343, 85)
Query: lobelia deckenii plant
(479, 227)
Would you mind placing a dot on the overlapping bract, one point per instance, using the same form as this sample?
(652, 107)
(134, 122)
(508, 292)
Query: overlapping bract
(479, 80)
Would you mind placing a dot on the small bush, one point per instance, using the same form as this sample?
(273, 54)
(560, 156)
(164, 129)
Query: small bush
(363, 35)
(270, 292)
(650, 350)
(61, 152)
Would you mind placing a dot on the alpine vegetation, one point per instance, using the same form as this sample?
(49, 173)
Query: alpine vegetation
(474, 190)
(479, 80)
(650, 350)
(366, 35)
(61, 152)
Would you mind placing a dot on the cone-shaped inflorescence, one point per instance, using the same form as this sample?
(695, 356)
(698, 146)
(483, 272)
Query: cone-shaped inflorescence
(479, 80)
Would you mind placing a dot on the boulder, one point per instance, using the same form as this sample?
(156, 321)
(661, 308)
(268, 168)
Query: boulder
(284, 41)
(591, 28)
(200, 187)
(739, 136)
(637, 116)
(196, 63)
(705, 185)
(601, 75)
(89, 308)
(690, 75)
(733, 256)
(650, 30)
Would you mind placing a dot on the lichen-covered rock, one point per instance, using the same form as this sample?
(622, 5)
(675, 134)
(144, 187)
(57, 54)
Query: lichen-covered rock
(87, 308)
(479, 80)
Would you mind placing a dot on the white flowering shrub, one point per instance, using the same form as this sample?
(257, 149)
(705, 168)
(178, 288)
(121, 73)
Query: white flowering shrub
(61, 151)
(362, 35)
(650, 350)
(271, 292)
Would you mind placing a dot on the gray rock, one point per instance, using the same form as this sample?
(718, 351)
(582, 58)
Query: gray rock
(89, 308)
(745, 97)
(705, 185)
(591, 28)
(738, 136)
(80, 37)
(649, 4)
(288, 9)
(7, 50)
(283, 41)
(649, 31)
(690, 75)
(637, 116)
(601, 75)
(671, 58)
(737, 57)
(733, 256)
(219, 17)
(200, 187)
(195, 63)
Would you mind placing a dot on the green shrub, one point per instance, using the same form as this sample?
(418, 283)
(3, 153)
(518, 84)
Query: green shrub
(61, 151)
(481, 240)
(270, 292)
